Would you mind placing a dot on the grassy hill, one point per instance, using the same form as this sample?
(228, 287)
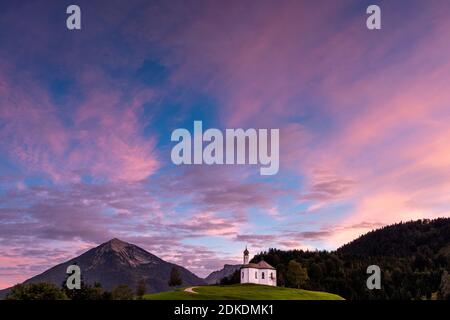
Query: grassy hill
(243, 292)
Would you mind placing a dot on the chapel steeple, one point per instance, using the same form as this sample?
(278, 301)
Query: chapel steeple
(246, 255)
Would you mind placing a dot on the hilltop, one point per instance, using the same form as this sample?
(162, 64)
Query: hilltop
(243, 292)
(402, 239)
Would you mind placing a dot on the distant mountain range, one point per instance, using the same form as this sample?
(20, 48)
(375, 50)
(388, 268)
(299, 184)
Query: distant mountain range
(414, 258)
(226, 271)
(117, 262)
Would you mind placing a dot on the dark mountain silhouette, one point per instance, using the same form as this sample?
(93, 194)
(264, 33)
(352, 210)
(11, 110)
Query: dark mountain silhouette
(414, 258)
(227, 270)
(403, 239)
(117, 262)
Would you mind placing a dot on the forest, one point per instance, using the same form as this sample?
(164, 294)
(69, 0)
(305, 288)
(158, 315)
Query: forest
(414, 258)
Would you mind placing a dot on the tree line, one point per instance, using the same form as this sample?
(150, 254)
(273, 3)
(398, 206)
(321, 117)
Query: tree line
(414, 258)
(51, 291)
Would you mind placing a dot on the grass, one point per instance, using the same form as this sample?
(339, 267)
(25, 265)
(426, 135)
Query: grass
(243, 292)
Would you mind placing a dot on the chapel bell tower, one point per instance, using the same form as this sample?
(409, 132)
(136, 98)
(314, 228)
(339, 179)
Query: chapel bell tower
(245, 255)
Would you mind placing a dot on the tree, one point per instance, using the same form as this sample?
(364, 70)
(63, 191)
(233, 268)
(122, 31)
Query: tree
(36, 291)
(444, 289)
(97, 292)
(281, 279)
(296, 274)
(107, 295)
(86, 291)
(315, 272)
(122, 292)
(175, 278)
(141, 288)
(234, 278)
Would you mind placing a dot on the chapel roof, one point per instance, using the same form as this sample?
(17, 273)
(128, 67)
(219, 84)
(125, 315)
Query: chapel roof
(260, 265)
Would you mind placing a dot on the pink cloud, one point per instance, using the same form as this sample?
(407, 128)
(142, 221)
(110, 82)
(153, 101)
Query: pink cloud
(376, 104)
(105, 138)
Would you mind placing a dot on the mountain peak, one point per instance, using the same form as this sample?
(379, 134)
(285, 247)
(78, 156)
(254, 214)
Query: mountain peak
(126, 253)
(118, 262)
(116, 244)
(116, 240)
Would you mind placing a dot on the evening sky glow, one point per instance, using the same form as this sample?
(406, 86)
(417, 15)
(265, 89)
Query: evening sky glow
(86, 119)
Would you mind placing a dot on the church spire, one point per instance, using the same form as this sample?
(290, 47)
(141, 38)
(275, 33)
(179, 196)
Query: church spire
(246, 255)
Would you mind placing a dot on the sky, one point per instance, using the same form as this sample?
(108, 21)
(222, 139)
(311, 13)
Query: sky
(86, 118)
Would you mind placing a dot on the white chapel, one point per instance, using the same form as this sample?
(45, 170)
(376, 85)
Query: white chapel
(258, 273)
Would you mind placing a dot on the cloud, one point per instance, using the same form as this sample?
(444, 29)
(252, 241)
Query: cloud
(76, 216)
(104, 138)
(219, 189)
(363, 118)
(326, 188)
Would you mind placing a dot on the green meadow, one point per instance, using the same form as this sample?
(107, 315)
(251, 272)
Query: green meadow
(242, 292)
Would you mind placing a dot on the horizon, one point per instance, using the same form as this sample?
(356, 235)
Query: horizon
(86, 118)
(236, 263)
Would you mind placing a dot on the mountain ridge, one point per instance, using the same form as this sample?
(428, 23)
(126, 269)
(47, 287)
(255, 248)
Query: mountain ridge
(117, 262)
(414, 258)
(401, 239)
(227, 270)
